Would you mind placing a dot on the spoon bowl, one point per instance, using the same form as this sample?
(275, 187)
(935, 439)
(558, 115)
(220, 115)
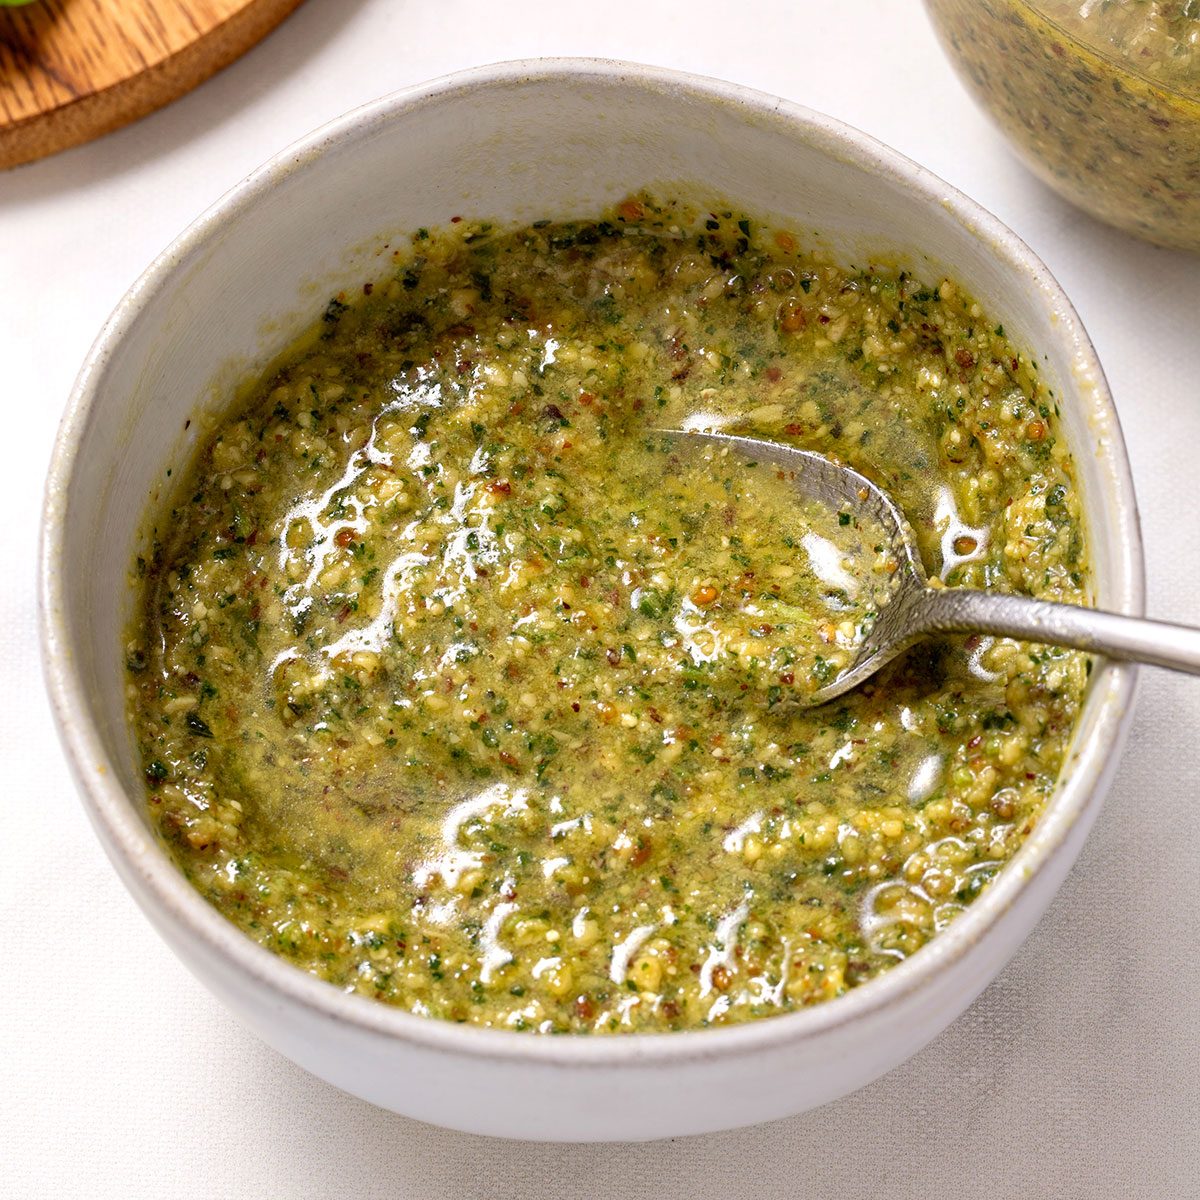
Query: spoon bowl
(915, 607)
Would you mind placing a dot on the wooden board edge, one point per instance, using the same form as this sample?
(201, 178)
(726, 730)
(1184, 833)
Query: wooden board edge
(88, 117)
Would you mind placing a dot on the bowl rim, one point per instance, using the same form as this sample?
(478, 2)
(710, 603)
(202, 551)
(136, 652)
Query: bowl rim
(135, 850)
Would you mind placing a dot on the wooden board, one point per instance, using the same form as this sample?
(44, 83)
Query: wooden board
(71, 70)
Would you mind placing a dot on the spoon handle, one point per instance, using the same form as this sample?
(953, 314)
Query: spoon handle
(964, 610)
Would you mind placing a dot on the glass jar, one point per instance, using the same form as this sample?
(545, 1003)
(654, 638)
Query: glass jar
(1101, 97)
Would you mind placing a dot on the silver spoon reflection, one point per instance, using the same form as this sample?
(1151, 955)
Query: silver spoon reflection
(915, 608)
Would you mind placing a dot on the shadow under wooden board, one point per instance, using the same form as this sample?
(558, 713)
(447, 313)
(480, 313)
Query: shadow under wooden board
(71, 70)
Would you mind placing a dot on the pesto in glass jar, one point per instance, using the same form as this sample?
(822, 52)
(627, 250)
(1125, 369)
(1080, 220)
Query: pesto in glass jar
(1101, 97)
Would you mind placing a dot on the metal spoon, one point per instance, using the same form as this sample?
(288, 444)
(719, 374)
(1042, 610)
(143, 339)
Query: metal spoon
(917, 609)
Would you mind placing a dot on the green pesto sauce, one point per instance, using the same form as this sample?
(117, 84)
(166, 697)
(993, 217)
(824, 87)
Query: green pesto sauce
(1102, 97)
(460, 687)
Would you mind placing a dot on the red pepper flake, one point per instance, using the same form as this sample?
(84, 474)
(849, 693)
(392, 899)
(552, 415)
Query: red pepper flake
(793, 429)
(343, 537)
(964, 358)
(343, 613)
(774, 374)
(499, 487)
(455, 220)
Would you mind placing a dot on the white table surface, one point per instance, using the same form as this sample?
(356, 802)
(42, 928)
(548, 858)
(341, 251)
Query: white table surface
(1075, 1075)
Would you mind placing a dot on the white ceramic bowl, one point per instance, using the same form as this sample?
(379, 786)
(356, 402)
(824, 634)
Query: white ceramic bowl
(518, 142)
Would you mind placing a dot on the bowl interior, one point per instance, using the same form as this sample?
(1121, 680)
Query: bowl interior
(510, 144)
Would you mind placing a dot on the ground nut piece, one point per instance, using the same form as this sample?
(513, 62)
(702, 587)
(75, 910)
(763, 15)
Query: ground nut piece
(646, 972)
